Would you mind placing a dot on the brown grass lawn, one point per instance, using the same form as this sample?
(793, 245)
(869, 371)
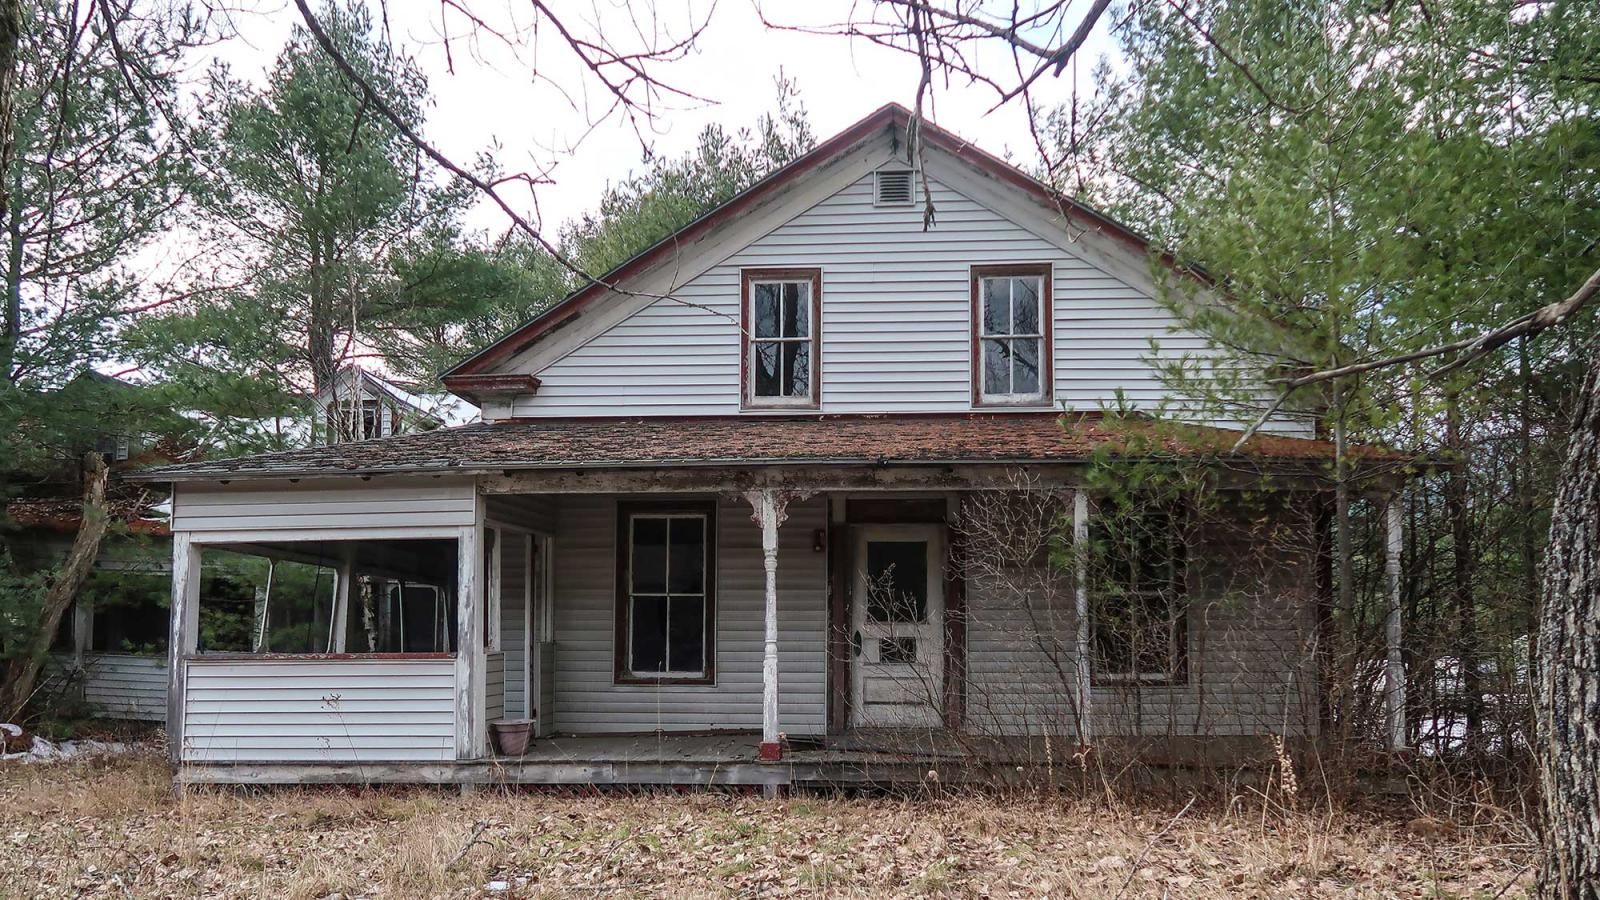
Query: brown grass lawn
(114, 828)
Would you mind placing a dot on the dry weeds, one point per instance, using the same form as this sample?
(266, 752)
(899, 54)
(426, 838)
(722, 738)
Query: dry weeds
(114, 828)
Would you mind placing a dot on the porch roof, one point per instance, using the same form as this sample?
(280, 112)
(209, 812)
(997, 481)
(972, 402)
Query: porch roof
(663, 442)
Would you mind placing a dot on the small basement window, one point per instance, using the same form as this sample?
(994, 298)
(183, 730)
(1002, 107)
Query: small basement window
(782, 338)
(666, 607)
(1011, 353)
(894, 187)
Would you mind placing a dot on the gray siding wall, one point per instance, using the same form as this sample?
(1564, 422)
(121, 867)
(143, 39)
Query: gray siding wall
(308, 710)
(587, 701)
(513, 622)
(1252, 620)
(345, 503)
(117, 685)
(895, 320)
(495, 686)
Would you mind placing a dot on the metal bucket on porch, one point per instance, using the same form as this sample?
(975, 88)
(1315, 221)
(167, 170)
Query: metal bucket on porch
(511, 736)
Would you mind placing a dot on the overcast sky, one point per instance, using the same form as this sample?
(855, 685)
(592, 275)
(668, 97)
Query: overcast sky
(491, 101)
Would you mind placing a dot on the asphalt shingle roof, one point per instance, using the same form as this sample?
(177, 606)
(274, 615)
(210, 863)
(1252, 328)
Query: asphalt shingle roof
(753, 440)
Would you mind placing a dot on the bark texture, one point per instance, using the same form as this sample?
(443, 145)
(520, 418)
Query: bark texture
(22, 673)
(1568, 684)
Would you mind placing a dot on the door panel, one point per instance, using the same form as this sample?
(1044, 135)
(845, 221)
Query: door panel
(897, 624)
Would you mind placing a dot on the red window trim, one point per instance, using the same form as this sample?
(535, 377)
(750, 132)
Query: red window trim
(619, 642)
(1047, 356)
(747, 390)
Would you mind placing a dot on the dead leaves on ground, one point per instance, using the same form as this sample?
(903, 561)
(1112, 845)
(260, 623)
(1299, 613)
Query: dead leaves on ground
(117, 831)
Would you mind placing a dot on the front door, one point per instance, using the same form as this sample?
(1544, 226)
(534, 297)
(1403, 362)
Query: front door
(897, 627)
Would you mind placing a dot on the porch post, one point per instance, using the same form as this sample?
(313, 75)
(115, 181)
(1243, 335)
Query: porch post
(183, 634)
(1080, 572)
(1395, 667)
(344, 571)
(768, 512)
(472, 734)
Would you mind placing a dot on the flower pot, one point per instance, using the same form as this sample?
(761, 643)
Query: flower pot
(511, 736)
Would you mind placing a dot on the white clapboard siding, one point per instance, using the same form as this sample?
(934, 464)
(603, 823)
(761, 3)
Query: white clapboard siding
(113, 685)
(513, 624)
(587, 700)
(1251, 627)
(319, 710)
(895, 320)
(280, 506)
(494, 701)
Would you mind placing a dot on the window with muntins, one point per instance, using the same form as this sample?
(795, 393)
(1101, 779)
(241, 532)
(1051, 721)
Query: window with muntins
(781, 337)
(665, 600)
(1011, 335)
(1140, 619)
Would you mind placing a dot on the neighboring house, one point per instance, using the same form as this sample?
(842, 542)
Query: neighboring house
(114, 659)
(715, 526)
(361, 405)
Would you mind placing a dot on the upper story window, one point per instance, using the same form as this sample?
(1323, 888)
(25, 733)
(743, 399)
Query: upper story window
(782, 338)
(1011, 353)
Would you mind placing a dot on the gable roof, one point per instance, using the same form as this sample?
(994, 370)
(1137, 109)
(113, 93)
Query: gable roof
(892, 118)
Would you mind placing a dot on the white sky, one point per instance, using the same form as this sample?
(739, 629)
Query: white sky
(492, 102)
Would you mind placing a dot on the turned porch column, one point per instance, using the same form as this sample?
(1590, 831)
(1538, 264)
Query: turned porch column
(1394, 670)
(768, 512)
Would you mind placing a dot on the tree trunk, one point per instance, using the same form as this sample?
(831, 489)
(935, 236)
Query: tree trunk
(1461, 566)
(1568, 680)
(23, 671)
(10, 39)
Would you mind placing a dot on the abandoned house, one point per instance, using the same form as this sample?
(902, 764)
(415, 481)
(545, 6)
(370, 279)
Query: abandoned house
(730, 517)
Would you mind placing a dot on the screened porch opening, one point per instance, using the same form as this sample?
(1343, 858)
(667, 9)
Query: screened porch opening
(322, 597)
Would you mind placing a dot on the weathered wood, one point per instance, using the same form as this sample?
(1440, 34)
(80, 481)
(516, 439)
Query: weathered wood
(184, 633)
(472, 734)
(769, 513)
(811, 477)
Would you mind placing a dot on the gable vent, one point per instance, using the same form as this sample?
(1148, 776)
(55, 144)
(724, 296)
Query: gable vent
(894, 188)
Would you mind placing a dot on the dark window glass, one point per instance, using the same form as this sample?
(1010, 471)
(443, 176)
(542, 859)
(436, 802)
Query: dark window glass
(897, 581)
(796, 309)
(797, 369)
(649, 555)
(686, 636)
(766, 302)
(649, 637)
(897, 650)
(780, 346)
(686, 573)
(996, 306)
(996, 367)
(1140, 627)
(1024, 306)
(667, 611)
(1025, 366)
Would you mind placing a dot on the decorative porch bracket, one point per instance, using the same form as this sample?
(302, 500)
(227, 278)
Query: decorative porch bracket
(769, 510)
